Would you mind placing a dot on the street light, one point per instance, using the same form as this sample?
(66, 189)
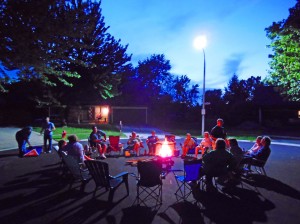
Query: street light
(200, 43)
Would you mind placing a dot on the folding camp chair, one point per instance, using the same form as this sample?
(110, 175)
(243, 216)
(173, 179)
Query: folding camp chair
(188, 178)
(149, 182)
(114, 145)
(259, 166)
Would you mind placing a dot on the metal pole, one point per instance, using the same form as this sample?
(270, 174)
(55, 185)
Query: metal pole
(203, 98)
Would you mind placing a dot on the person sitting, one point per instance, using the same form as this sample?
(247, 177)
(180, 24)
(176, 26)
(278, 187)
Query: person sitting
(217, 163)
(22, 137)
(135, 143)
(74, 149)
(151, 143)
(96, 141)
(237, 153)
(257, 146)
(255, 158)
(61, 146)
(189, 143)
(204, 145)
(218, 131)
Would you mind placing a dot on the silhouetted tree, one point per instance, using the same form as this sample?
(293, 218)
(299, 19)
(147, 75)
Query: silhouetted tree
(54, 41)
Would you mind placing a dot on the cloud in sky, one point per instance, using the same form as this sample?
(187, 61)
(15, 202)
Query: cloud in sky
(233, 64)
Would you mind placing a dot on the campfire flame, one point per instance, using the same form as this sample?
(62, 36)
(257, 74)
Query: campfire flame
(165, 150)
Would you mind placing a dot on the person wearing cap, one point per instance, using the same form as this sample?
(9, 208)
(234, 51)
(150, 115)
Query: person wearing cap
(151, 143)
(135, 143)
(22, 138)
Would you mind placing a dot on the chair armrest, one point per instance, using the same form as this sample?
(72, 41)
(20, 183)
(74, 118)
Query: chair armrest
(119, 175)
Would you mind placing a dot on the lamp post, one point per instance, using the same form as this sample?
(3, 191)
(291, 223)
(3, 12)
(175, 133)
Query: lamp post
(200, 43)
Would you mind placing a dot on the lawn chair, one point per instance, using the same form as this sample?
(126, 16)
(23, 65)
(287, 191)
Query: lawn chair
(149, 182)
(259, 166)
(114, 145)
(187, 178)
(76, 170)
(100, 174)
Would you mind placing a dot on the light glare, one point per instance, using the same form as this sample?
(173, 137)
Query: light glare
(200, 42)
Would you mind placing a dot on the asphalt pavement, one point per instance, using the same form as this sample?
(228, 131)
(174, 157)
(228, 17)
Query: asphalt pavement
(34, 190)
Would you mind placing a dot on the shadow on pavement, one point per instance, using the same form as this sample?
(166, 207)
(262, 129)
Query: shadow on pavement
(272, 184)
(238, 205)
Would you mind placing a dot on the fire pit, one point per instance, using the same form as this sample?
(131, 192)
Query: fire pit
(164, 152)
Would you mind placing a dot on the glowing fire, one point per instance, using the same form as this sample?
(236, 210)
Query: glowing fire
(165, 150)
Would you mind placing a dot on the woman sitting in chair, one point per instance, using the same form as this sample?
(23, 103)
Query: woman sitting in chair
(204, 145)
(189, 143)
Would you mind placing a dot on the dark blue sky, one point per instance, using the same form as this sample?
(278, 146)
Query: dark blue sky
(236, 40)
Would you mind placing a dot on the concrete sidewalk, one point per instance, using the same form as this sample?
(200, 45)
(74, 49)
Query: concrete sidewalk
(8, 140)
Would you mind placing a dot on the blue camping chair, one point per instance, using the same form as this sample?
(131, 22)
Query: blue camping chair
(188, 178)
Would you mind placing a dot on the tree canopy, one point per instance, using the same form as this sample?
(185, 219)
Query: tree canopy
(285, 60)
(55, 41)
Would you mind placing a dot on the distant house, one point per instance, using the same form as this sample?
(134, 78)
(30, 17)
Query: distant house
(104, 114)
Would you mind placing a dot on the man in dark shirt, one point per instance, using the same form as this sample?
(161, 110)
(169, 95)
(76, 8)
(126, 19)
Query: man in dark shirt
(218, 163)
(151, 143)
(97, 141)
(218, 132)
(22, 138)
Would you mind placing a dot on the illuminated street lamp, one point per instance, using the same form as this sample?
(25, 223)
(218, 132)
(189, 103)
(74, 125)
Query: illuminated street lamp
(200, 43)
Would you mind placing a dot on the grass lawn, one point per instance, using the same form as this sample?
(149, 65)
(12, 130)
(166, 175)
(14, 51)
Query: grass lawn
(84, 132)
(81, 132)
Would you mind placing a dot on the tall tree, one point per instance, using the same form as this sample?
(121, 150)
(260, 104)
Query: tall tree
(154, 74)
(239, 91)
(56, 40)
(183, 92)
(285, 60)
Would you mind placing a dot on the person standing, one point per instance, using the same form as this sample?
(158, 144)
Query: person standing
(22, 138)
(47, 128)
(218, 131)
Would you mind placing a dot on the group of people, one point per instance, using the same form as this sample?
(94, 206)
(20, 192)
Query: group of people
(22, 137)
(219, 154)
(207, 143)
(223, 157)
(135, 143)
